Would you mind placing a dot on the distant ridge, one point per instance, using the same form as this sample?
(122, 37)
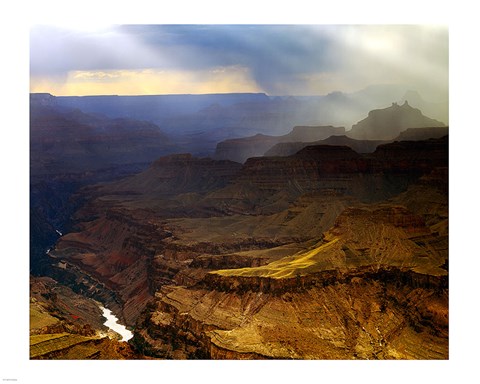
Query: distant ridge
(360, 146)
(242, 148)
(386, 124)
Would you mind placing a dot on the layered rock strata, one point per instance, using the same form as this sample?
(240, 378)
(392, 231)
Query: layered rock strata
(311, 305)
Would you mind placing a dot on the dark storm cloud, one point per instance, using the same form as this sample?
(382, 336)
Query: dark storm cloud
(278, 59)
(273, 53)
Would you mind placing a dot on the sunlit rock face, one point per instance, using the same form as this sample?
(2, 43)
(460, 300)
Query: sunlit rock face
(321, 322)
(375, 287)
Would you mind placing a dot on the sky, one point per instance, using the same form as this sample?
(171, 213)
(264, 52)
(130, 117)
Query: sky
(288, 59)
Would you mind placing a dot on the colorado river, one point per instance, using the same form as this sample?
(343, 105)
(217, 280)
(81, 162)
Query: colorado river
(112, 323)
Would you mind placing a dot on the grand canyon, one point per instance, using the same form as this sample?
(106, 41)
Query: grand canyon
(324, 246)
(239, 225)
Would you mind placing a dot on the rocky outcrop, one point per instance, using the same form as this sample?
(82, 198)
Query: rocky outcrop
(363, 236)
(316, 168)
(307, 165)
(274, 286)
(397, 322)
(243, 148)
(66, 325)
(54, 307)
(388, 123)
(438, 110)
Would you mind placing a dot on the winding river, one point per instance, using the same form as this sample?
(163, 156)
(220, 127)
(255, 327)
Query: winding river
(112, 323)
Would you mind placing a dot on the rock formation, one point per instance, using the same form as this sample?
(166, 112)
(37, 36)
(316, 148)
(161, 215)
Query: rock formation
(386, 124)
(265, 184)
(437, 110)
(383, 252)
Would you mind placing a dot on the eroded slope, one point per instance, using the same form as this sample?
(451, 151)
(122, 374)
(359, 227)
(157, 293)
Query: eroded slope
(374, 286)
